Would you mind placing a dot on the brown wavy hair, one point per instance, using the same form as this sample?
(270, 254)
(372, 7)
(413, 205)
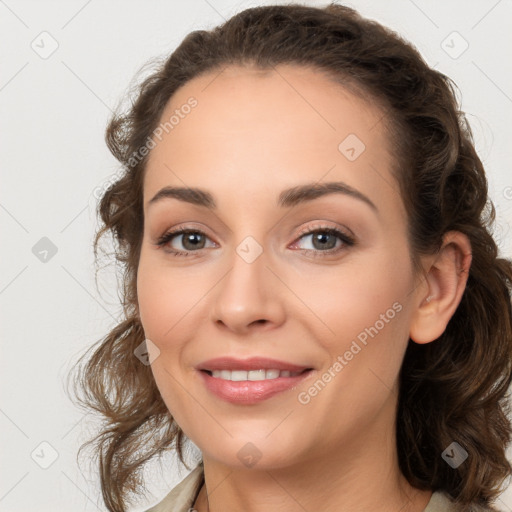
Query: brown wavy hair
(454, 388)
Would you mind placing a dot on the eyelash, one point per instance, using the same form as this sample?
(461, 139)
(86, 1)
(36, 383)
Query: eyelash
(347, 240)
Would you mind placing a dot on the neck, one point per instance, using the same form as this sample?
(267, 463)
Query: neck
(360, 475)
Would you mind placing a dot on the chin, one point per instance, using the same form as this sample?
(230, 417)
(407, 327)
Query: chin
(255, 453)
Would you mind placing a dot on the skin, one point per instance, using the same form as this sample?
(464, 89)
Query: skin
(251, 135)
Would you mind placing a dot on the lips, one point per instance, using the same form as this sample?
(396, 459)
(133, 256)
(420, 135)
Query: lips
(251, 380)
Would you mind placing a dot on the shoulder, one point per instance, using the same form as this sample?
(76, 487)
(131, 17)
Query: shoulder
(183, 496)
(442, 502)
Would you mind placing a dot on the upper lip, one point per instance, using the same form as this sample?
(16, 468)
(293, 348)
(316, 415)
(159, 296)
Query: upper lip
(252, 363)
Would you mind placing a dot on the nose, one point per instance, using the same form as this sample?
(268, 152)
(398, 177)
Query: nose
(248, 297)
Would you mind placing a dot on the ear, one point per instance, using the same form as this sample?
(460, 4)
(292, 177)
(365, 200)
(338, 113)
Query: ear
(445, 279)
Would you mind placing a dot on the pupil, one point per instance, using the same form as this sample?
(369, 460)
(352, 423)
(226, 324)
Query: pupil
(322, 238)
(193, 238)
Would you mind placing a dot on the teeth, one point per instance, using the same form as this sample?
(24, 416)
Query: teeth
(253, 375)
(237, 375)
(256, 375)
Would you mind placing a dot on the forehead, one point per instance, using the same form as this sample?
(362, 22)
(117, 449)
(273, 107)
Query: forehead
(267, 130)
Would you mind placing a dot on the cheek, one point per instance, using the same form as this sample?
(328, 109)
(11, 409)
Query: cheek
(361, 299)
(155, 307)
(363, 325)
(166, 296)
(165, 301)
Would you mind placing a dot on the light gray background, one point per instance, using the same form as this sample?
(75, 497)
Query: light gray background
(53, 114)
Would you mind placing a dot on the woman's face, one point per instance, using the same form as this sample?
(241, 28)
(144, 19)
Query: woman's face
(296, 260)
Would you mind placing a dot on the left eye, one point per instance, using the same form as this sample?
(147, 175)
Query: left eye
(324, 240)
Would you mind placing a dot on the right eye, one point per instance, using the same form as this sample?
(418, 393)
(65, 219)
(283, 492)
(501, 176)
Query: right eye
(186, 240)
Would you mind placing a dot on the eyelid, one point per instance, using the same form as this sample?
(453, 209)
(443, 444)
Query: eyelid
(322, 225)
(186, 226)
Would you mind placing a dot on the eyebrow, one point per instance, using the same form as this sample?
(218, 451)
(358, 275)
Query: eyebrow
(287, 198)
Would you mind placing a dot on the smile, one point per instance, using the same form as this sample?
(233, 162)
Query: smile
(250, 381)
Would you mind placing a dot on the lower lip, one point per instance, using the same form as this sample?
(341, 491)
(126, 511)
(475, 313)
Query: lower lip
(249, 392)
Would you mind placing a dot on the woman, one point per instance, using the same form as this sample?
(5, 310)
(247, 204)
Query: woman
(312, 294)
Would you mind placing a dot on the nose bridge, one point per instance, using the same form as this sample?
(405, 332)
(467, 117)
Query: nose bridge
(247, 294)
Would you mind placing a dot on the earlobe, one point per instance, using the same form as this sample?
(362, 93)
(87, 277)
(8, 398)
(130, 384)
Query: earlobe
(446, 276)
